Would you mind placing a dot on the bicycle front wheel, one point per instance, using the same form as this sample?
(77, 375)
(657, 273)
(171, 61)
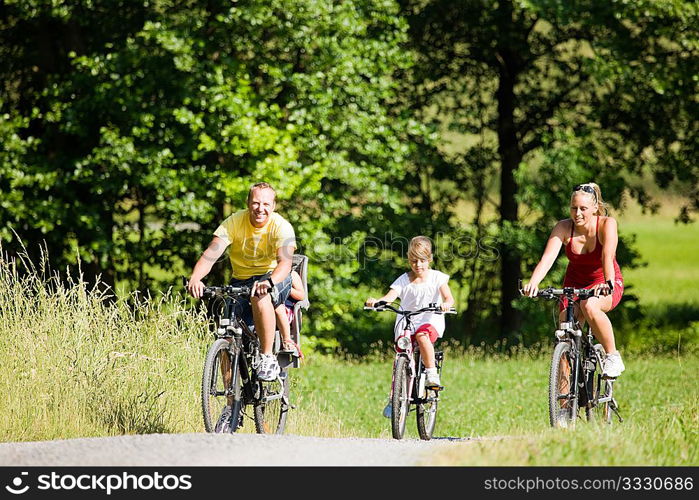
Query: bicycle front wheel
(272, 407)
(400, 400)
(220, 387)
(563, 404)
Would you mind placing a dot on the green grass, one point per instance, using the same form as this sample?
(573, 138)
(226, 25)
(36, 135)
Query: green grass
(505, 397)
(669, 249)
(75, 365)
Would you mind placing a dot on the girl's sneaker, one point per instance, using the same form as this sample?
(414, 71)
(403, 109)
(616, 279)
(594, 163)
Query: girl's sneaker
(432, 378)
(388, 410)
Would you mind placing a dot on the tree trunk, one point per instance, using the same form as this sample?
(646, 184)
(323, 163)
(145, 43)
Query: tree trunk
(510, 154)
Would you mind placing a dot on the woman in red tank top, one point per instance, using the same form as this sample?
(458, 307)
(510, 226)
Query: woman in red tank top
(590, 239)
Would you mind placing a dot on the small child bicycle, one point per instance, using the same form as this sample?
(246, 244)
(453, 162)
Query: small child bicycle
(409, 385)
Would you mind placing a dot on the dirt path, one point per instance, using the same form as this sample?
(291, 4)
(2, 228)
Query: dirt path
(219, 449)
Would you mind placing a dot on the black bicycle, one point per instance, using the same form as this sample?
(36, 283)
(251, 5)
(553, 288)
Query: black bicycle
(575, 379)
(230, 370)
(408, 385)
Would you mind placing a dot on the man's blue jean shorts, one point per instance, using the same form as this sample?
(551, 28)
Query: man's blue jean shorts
(283, 289)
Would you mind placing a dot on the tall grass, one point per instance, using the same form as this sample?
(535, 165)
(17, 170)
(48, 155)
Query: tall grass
(76, 364)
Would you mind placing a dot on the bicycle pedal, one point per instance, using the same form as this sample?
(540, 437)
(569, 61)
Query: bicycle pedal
(436, 388)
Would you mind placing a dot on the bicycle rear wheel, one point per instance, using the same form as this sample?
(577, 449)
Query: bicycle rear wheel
(427, 414)
(427, 409)
(272, 407)
(217, 389)
(563, 407)
(400, 400)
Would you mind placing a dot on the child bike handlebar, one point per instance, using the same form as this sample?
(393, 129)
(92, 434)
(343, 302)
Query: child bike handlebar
(385, 306)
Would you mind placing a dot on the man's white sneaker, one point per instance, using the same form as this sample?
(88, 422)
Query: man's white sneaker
(268, 369)
(613, 365)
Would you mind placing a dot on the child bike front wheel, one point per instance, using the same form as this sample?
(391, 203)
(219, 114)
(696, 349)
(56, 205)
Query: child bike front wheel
(400, 400)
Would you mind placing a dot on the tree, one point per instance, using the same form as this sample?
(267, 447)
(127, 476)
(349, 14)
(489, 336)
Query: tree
(522, 80)
(130, 127)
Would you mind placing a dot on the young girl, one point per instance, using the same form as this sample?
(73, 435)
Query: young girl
(285, 314)
(419, 288)
(590, 240)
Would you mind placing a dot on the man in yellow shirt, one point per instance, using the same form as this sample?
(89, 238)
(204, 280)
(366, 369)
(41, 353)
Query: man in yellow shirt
(261, 241)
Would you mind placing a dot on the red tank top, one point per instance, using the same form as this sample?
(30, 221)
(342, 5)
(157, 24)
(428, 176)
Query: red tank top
(585, 270)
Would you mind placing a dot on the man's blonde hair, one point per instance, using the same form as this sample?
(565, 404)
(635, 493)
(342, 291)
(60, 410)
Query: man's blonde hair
(261, 185)
(420, 248)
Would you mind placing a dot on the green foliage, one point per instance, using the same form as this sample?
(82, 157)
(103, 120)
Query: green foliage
(129, 131)
(128, 147)
(531, 98)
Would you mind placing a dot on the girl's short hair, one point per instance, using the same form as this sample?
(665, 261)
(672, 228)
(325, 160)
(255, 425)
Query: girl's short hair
(420, 248)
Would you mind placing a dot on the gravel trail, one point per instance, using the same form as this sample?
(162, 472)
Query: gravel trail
(221, 449)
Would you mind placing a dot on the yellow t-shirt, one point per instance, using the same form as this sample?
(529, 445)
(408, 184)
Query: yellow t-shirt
(253, 250)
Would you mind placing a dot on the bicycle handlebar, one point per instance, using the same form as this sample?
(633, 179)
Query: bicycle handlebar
(555, 293)
(385, 306)
(222, 291)
(227, 290)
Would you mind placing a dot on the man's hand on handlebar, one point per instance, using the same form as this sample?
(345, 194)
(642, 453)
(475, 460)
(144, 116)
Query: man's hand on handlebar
(262, 287)
(195, 288)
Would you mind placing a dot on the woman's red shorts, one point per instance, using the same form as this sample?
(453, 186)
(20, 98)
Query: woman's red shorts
(616, 295)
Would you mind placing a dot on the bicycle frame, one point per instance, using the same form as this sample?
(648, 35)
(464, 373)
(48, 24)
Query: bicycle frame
(248, 344)
(585, 357)
(241, 387)
(408, 391)
(404, 347)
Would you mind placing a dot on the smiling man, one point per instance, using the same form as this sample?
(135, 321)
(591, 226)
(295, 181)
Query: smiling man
(261, 242)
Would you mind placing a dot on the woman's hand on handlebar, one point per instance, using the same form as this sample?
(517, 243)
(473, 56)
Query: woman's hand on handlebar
(445, 307)
(370, 302)
(530, 289)
(602, 290)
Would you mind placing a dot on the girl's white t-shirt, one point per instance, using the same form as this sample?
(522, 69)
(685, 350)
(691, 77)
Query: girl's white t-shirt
(418, 295)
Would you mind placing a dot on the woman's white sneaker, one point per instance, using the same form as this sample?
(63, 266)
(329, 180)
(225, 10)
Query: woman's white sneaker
(613, 365)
